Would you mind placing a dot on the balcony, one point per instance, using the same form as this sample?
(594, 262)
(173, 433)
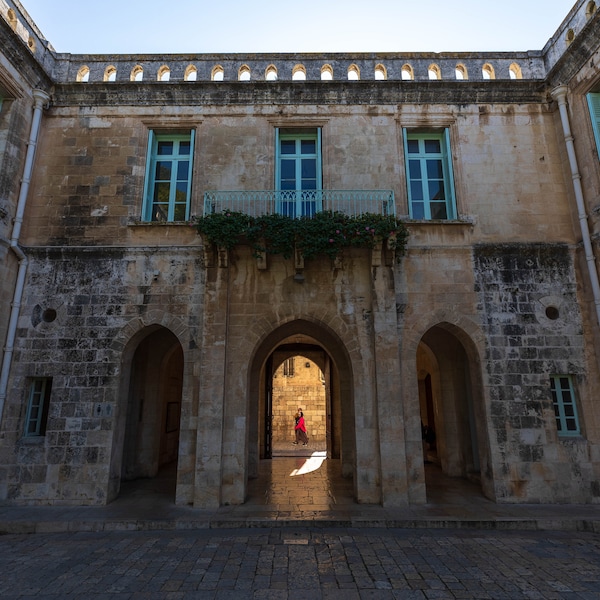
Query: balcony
(294, 203)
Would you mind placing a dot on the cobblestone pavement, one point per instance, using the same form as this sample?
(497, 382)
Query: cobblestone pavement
(301, 563)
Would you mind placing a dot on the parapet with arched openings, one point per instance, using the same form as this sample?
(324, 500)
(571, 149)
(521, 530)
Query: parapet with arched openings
(12, 19)
(110, 73)
(137, 73)
(83, 75)
(353, 72)
(327, 72)
(380, 72)
(271, 73)
(590, 9)
(515, 71)
(191, 73)
(217, 73)
(244, 73)
(407, 72)
(164, 73)
(299, 73)
(378, 68)
(461, 73)
(488, 72)
(434, 72)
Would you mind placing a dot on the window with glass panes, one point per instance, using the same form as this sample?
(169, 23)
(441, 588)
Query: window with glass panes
(565, 408)
(37, 406)
(429, 175)
(298, 172)
(168, 177)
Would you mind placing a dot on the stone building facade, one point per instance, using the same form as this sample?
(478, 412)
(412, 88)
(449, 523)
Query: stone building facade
(130, 343)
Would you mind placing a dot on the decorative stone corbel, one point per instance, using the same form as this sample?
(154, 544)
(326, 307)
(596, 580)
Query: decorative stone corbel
(298, 265)
(376, 253)
(298, 259)
(261, 258)
(223, 257)
(209, 255)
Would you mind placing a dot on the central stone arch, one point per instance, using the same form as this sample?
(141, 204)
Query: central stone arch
(296, 337)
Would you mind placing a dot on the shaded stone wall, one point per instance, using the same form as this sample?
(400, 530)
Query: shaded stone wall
(96, 295)
(530, 314)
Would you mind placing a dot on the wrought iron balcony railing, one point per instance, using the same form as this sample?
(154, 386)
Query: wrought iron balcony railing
(301, 203)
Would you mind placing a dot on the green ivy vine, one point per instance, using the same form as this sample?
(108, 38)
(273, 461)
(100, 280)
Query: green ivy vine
(326, 233)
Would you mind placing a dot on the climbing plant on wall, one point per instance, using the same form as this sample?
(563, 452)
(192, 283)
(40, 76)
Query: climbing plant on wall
(325, 233)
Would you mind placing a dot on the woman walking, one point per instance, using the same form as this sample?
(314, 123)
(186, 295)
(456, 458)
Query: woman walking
(300, 428)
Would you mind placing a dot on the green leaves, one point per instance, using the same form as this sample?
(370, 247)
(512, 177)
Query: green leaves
(326, 233)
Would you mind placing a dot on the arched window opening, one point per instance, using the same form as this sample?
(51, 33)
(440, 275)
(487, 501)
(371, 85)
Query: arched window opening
(244, 73)
(461, 72)
(380, 73)
(590, 9)
(353, 73)
(407, 73)
(434, 72)
(271, 73)
(191, 73)
(299, 73)
(217, 74)
(164, 73)
(110, 73)
(570, 36)
(514, 71)
(326, 73)
(137, 73)
(12, 19)
(83, 75)
(487, 71)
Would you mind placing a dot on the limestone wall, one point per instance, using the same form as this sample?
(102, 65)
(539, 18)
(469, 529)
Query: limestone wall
(302, 385)
(100, 298)
(90, 171)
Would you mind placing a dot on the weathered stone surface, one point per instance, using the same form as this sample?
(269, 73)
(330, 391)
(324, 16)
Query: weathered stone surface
(162, 349)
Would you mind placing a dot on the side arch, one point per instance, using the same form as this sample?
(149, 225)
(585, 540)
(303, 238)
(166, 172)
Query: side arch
(161, 401)
(451, 346)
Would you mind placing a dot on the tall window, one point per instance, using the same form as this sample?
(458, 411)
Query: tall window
(594, 104)
(168, 176)
(565, 409)
(298, 173)
(429, 175)
(37, 406)
(288, 367)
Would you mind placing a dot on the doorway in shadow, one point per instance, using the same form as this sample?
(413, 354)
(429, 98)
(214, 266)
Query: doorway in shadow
(150, 425)
(451, 410)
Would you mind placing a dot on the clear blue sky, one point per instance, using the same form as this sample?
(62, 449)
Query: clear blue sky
(235, 26)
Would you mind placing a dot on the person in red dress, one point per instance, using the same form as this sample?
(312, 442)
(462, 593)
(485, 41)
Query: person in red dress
(300, 428)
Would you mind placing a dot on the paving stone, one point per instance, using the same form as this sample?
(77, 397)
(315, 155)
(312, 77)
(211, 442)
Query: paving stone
(547, 565)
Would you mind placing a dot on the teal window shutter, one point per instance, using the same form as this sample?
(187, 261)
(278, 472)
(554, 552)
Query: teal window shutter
(277, 154)
(565, 406)
(449, 175)
(147, 204)
(191, 174)
(37, 406)
(594, 104)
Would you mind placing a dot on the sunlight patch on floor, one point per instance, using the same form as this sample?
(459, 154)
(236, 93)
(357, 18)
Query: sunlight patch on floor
(310, 464)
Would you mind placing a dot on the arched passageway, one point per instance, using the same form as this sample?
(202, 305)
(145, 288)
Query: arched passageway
(451, 404)
(147, 438)
(301, 364)
(300, 382)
